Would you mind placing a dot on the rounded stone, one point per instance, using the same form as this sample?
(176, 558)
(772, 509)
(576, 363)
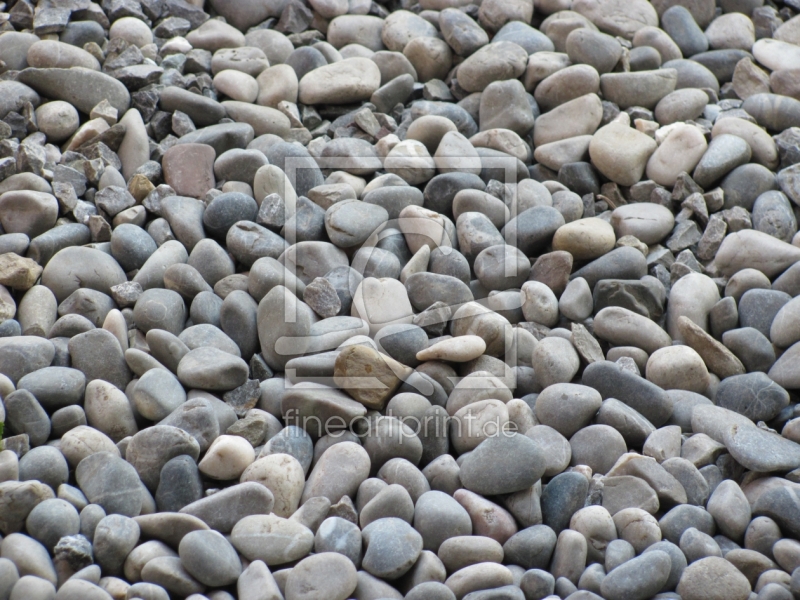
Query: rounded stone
(349, 80)
(391, 547)
(584, 446)
(45, 464)
(713, 578)
(57, 120)
(506, 453)
(438, 517)
(209, 558)
(51, 520)
(665, 364)
(567, 407)
(649, 223)
(323, 576)
(272, 539)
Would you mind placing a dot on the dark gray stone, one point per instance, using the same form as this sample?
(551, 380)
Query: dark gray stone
(440, 191)
(532, 230)
(179, 485)
(24, 415)
(225, 210)
(645, 296)
(641, 577)
(562, 497)
(640, 394)
(680, 25)
(531, 548)
(426, 288)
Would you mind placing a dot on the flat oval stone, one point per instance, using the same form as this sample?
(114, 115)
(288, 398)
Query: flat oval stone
(150, 449)
(272, 539)
(680, 105)
(339, 472)
(111, 482)
(114, 538)
(506, 453)
(222, 510)
(493, 62)
(29, 557)
(324, 575)
(642, 576)
(83, 88)
(209, 558)
(762, 146)
(212, 369)
(392, 547)
(567, 407)
(638, 393)
(307, 401)
(283, 475)
(79, 266)
(157, 394)
(698, 576)
(623, 327)
(28, 212)
(724, 154)
(753, 395)
(22, 355)
(350, 80)
(749, 249)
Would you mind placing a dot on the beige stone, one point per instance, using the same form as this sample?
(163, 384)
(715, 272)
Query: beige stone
(585, 239)
(623, 327)
(618, 17)
(276, 84)
(227, 458)
(457, 349)
(677, 368)
(346, 81)
(621, 153)
(678, 153)
(649, 223)
(236, 85)
(283, 475)
(18, 272)
(577, 117)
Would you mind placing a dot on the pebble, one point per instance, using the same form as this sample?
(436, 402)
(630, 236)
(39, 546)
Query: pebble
(271, 539)
(693, 582)
(505, 452)
(182, 325)
(209, 558)
(661, 369)
(639, 577)
(323, 575)
(350, 80)
(102, 470)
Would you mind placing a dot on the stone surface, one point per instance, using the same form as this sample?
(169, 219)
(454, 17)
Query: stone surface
(353, 300)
